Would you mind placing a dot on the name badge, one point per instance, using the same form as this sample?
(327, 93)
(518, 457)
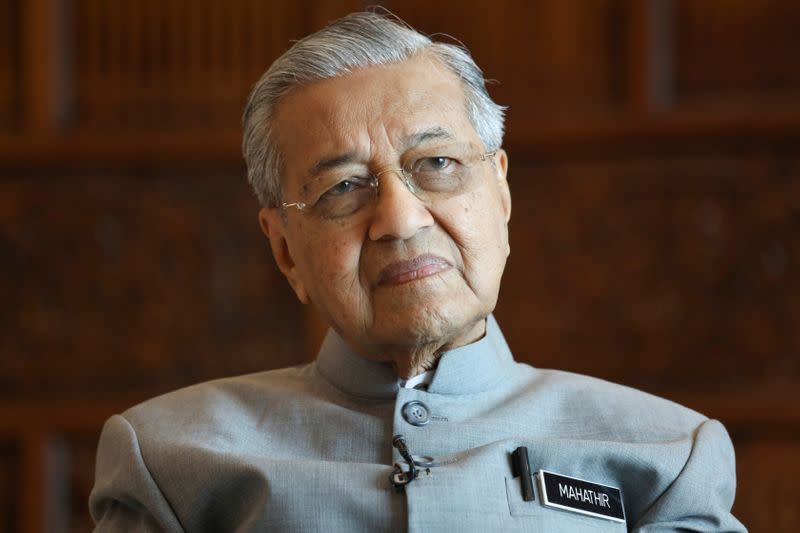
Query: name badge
(581, 496)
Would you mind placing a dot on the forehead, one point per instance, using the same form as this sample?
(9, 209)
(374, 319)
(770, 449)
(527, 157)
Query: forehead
(370, 111)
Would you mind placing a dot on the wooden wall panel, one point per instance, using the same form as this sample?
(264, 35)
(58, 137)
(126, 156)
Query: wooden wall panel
(768, 468)
(193, 70)
(10, 476)
(9, 67)
(655, 174)
(553, 60)
(148, 282)
(679, 269)
(79, 451)
(176, 64)
(737, 52)
(166, 64)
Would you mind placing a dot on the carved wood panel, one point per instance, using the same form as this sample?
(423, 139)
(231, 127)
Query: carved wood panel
(768, 467)
(76, 477)
(175, 63)
(148, 282)
(552, 60)
(679, 269)
(673, 268)
(9, 65)
(10, 477)
(737, 53)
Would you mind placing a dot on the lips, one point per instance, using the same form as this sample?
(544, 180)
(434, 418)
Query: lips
(420, 267)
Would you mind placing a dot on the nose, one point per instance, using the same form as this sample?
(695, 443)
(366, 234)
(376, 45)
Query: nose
(398, 213)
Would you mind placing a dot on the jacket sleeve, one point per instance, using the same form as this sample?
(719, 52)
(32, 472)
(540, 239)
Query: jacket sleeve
(701, 497)
(125, 496)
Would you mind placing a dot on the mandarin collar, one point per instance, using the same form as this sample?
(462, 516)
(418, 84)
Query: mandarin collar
(468, 369)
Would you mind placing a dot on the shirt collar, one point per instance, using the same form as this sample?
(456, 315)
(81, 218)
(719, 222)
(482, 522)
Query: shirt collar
(420, 381)
(468, 369)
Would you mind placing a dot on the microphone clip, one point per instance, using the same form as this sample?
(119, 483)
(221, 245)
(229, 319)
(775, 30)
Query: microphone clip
(400, 478)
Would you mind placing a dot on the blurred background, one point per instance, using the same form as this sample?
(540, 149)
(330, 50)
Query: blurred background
(655, 174)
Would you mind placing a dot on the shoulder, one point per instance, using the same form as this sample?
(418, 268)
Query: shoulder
(221, 403)
(609, 408)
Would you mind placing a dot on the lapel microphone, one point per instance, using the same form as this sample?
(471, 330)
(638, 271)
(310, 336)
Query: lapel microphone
(399, 478)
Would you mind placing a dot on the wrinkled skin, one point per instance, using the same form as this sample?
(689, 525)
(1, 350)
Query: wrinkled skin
(339, 265)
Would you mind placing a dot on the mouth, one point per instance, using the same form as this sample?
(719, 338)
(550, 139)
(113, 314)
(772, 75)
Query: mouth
(414, 269)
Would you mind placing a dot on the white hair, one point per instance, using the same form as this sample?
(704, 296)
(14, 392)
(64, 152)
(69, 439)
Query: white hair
(355, 41)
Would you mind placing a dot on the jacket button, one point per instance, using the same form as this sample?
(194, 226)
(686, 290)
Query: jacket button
(416, 413)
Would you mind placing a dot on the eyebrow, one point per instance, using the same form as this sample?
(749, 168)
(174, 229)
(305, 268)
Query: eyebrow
(331, 162)
(435, 133)
(327, 163)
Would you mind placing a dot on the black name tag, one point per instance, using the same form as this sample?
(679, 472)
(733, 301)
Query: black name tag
(581, 496)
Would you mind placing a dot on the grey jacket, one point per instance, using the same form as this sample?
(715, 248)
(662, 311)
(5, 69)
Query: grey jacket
(310, 449)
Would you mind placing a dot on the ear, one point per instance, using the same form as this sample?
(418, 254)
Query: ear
(502, 182)
(273, 225)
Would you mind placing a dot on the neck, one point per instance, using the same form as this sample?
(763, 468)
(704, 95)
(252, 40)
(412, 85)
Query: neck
(407, 365)
(409, 361)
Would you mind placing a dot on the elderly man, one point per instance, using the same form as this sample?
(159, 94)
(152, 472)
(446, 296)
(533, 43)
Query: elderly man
(377, 156)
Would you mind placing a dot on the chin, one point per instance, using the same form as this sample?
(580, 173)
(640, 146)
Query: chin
(418, 325)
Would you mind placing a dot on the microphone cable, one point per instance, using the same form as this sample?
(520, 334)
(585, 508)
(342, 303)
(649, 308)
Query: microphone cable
(400, 479)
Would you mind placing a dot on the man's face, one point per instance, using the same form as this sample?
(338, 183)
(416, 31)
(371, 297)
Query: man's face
(401, 272)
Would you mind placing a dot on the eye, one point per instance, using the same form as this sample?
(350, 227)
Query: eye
(433, 164)
(346, 187)
(343, 187)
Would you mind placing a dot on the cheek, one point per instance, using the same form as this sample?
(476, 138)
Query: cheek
(479, 232)
(331, 261)
(478, 221)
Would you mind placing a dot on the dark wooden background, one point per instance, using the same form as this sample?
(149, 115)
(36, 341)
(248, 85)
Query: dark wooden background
(655, 174)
